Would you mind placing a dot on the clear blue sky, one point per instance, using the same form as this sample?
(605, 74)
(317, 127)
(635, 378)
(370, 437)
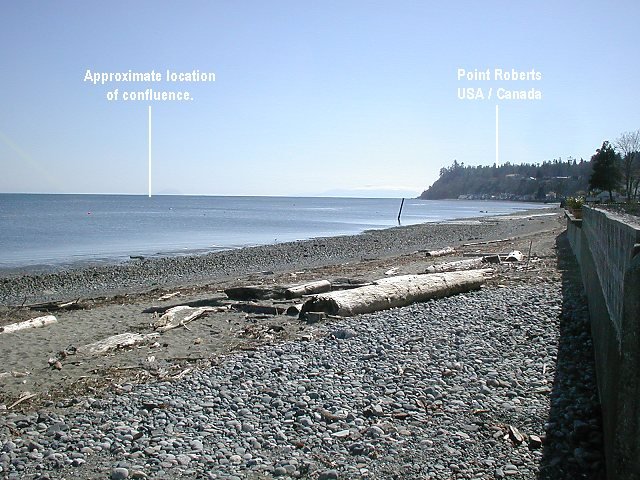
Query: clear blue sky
(310, 98)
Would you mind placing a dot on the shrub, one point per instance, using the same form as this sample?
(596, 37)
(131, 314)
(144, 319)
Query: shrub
(575, 203)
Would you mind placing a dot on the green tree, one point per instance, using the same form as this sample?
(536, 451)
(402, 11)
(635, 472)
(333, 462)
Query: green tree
(606, 171)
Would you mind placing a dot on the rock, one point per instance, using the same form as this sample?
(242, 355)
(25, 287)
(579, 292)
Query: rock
(375, 431)
(343, 333)
(510, 469)
(515, 435)
(373, 411)
(535, 442)
(197, 445)
(119, 473)
(328, 475)
(279, 472)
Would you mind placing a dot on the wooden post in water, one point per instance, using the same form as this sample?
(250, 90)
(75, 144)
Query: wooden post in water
(400, 212)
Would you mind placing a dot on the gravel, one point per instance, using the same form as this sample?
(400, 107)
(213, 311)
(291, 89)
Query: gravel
(497, 383)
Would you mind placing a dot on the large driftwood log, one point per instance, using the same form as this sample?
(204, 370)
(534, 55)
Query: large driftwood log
(33, 323)
(395, 292)
(452, 266)
(255, 292)
(298, 291)
(115, 342)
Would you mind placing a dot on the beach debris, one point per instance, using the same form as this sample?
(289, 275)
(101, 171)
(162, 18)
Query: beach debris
(457, 265)
(348, 283)
(33, 323)
(515, 256)
(484, 254)
(168, 296)
(488, 242)
(255, 292)
(440, 253)
(319, 286)
(395, 292)
(529, 254)
(391, 271)
(294, 310)
(313, 317)
(14, 374)
(491, 259)
(205, 302)
(54, 306)
(181, 315)
(25, 396)
(259, 309)
(116, 342)
(261, 332)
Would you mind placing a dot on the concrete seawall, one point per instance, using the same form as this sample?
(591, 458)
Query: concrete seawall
(607, 247)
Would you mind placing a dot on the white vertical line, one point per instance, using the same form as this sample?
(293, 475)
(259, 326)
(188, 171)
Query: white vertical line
(149, 151)
(497, 138)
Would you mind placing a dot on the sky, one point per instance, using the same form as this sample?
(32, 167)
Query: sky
(344, 98)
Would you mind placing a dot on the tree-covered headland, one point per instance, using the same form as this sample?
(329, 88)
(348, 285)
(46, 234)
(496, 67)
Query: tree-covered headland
(613, 172)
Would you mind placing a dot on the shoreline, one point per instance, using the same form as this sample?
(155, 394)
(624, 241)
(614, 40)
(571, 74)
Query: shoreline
(18, 287)
(479, 384)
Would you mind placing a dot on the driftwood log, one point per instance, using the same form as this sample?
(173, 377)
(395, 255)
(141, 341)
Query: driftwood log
(205, 302)
(298, 291)
(182, 315)
(53, 306)
(453, 266)
(395, 292)
(441, 252)
(33, 323)
(256, 292)
(115, 342)
(294, 310)
(348, 283)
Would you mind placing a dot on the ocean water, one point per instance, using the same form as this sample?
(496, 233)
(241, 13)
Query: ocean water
(51, 230)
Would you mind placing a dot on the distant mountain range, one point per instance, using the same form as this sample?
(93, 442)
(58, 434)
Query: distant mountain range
(547, 181)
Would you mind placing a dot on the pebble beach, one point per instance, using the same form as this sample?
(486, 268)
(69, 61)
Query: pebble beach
(489, 384)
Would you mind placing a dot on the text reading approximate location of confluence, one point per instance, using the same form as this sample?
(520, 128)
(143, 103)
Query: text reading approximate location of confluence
(195, 76)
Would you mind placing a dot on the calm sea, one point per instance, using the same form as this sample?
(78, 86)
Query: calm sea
(61, 229)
